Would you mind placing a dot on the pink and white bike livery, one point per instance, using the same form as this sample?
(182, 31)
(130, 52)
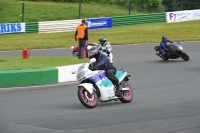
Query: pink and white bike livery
(95, 86)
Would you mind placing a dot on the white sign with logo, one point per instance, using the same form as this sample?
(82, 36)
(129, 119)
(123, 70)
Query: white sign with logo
(183, 16)
(12, 28)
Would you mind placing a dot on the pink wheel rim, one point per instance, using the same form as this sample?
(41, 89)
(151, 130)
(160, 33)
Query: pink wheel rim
(86, 100)
(127, 95)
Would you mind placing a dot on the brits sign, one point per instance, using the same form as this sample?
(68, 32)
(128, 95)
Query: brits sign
(12, 28)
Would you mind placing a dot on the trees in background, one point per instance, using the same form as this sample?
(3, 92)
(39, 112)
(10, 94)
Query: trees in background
(175, 5)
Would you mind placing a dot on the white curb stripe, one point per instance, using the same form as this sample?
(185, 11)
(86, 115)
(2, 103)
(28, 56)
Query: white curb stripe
(64, 73)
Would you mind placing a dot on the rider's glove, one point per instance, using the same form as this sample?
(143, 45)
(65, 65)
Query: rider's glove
(108, 52)
(104, 50)
(100, 48)
(96, 67)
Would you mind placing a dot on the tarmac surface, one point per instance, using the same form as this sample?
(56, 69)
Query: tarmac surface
(166, 98)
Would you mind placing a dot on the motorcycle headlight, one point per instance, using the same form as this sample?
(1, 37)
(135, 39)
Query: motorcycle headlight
(180, 48)
(80, 75)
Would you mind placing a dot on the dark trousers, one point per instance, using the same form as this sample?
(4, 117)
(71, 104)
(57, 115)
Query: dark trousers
(110, 74)
(81, 47)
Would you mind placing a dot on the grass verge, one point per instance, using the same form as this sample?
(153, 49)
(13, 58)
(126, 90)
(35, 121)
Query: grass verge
(18, 63)
(50, 11)
(149, 33)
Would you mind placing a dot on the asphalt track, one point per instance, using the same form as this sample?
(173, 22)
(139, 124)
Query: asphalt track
(166, 98)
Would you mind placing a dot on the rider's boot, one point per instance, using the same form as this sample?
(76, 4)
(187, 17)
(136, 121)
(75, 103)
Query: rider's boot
(162, 54)
(118, 90)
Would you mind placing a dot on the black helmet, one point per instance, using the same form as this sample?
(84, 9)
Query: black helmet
(92, 52)
(164, 38)
(102, 40)
(83, 20)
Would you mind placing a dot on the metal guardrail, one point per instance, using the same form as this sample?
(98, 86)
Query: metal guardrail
(139, 19)
(31, 27)
(70, 25)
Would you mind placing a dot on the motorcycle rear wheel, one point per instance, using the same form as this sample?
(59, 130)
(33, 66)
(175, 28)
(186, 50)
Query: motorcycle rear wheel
(89, 101)
(126, 96)
(185, 57)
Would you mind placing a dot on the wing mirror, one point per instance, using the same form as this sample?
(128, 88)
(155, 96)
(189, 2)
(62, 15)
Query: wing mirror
(73, 71)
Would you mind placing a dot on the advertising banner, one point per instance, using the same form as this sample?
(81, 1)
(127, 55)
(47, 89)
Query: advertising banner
(99, 23)
(12, 28)
(183, 16)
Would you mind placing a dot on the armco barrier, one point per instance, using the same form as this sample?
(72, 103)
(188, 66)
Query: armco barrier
(58, 26)
(70, 25)
(32, 27)
(139, 19)
(16, 78)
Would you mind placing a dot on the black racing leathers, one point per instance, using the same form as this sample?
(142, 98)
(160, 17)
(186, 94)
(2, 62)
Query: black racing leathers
(104, 64)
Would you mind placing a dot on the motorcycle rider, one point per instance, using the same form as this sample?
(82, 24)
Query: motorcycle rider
(106, 47)
(163, 45)
(102, 63)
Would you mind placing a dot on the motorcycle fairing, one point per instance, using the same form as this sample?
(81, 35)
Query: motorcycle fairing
(97, 77)
(104, 80)
(88, 87)
(120, 74)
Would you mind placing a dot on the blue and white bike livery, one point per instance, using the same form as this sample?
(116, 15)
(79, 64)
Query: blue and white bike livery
(95, 86)
(173, 51)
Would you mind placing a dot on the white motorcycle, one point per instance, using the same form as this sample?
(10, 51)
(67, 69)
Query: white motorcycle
(109, 56)
(95, 86)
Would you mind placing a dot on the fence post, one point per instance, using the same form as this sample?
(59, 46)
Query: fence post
(22, 12)
(79, 11)
(130, 2)
(129, 7)
(181, 3)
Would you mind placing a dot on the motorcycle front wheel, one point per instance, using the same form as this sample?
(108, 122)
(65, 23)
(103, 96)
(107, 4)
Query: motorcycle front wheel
(184, 56)
(87, 99)
(75, 54)
(126, 96)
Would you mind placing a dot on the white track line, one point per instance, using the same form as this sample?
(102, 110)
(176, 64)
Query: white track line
(38, 86)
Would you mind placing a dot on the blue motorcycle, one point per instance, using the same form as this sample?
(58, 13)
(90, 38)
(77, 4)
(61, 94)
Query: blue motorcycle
(172, 51)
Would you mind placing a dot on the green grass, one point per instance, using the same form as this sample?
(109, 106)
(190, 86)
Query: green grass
(18, 63)
(150, 33)
(48, 11)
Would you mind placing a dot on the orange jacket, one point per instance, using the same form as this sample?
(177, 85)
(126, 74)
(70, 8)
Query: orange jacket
(81, 32)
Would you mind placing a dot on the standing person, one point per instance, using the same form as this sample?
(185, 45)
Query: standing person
(82, 36)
